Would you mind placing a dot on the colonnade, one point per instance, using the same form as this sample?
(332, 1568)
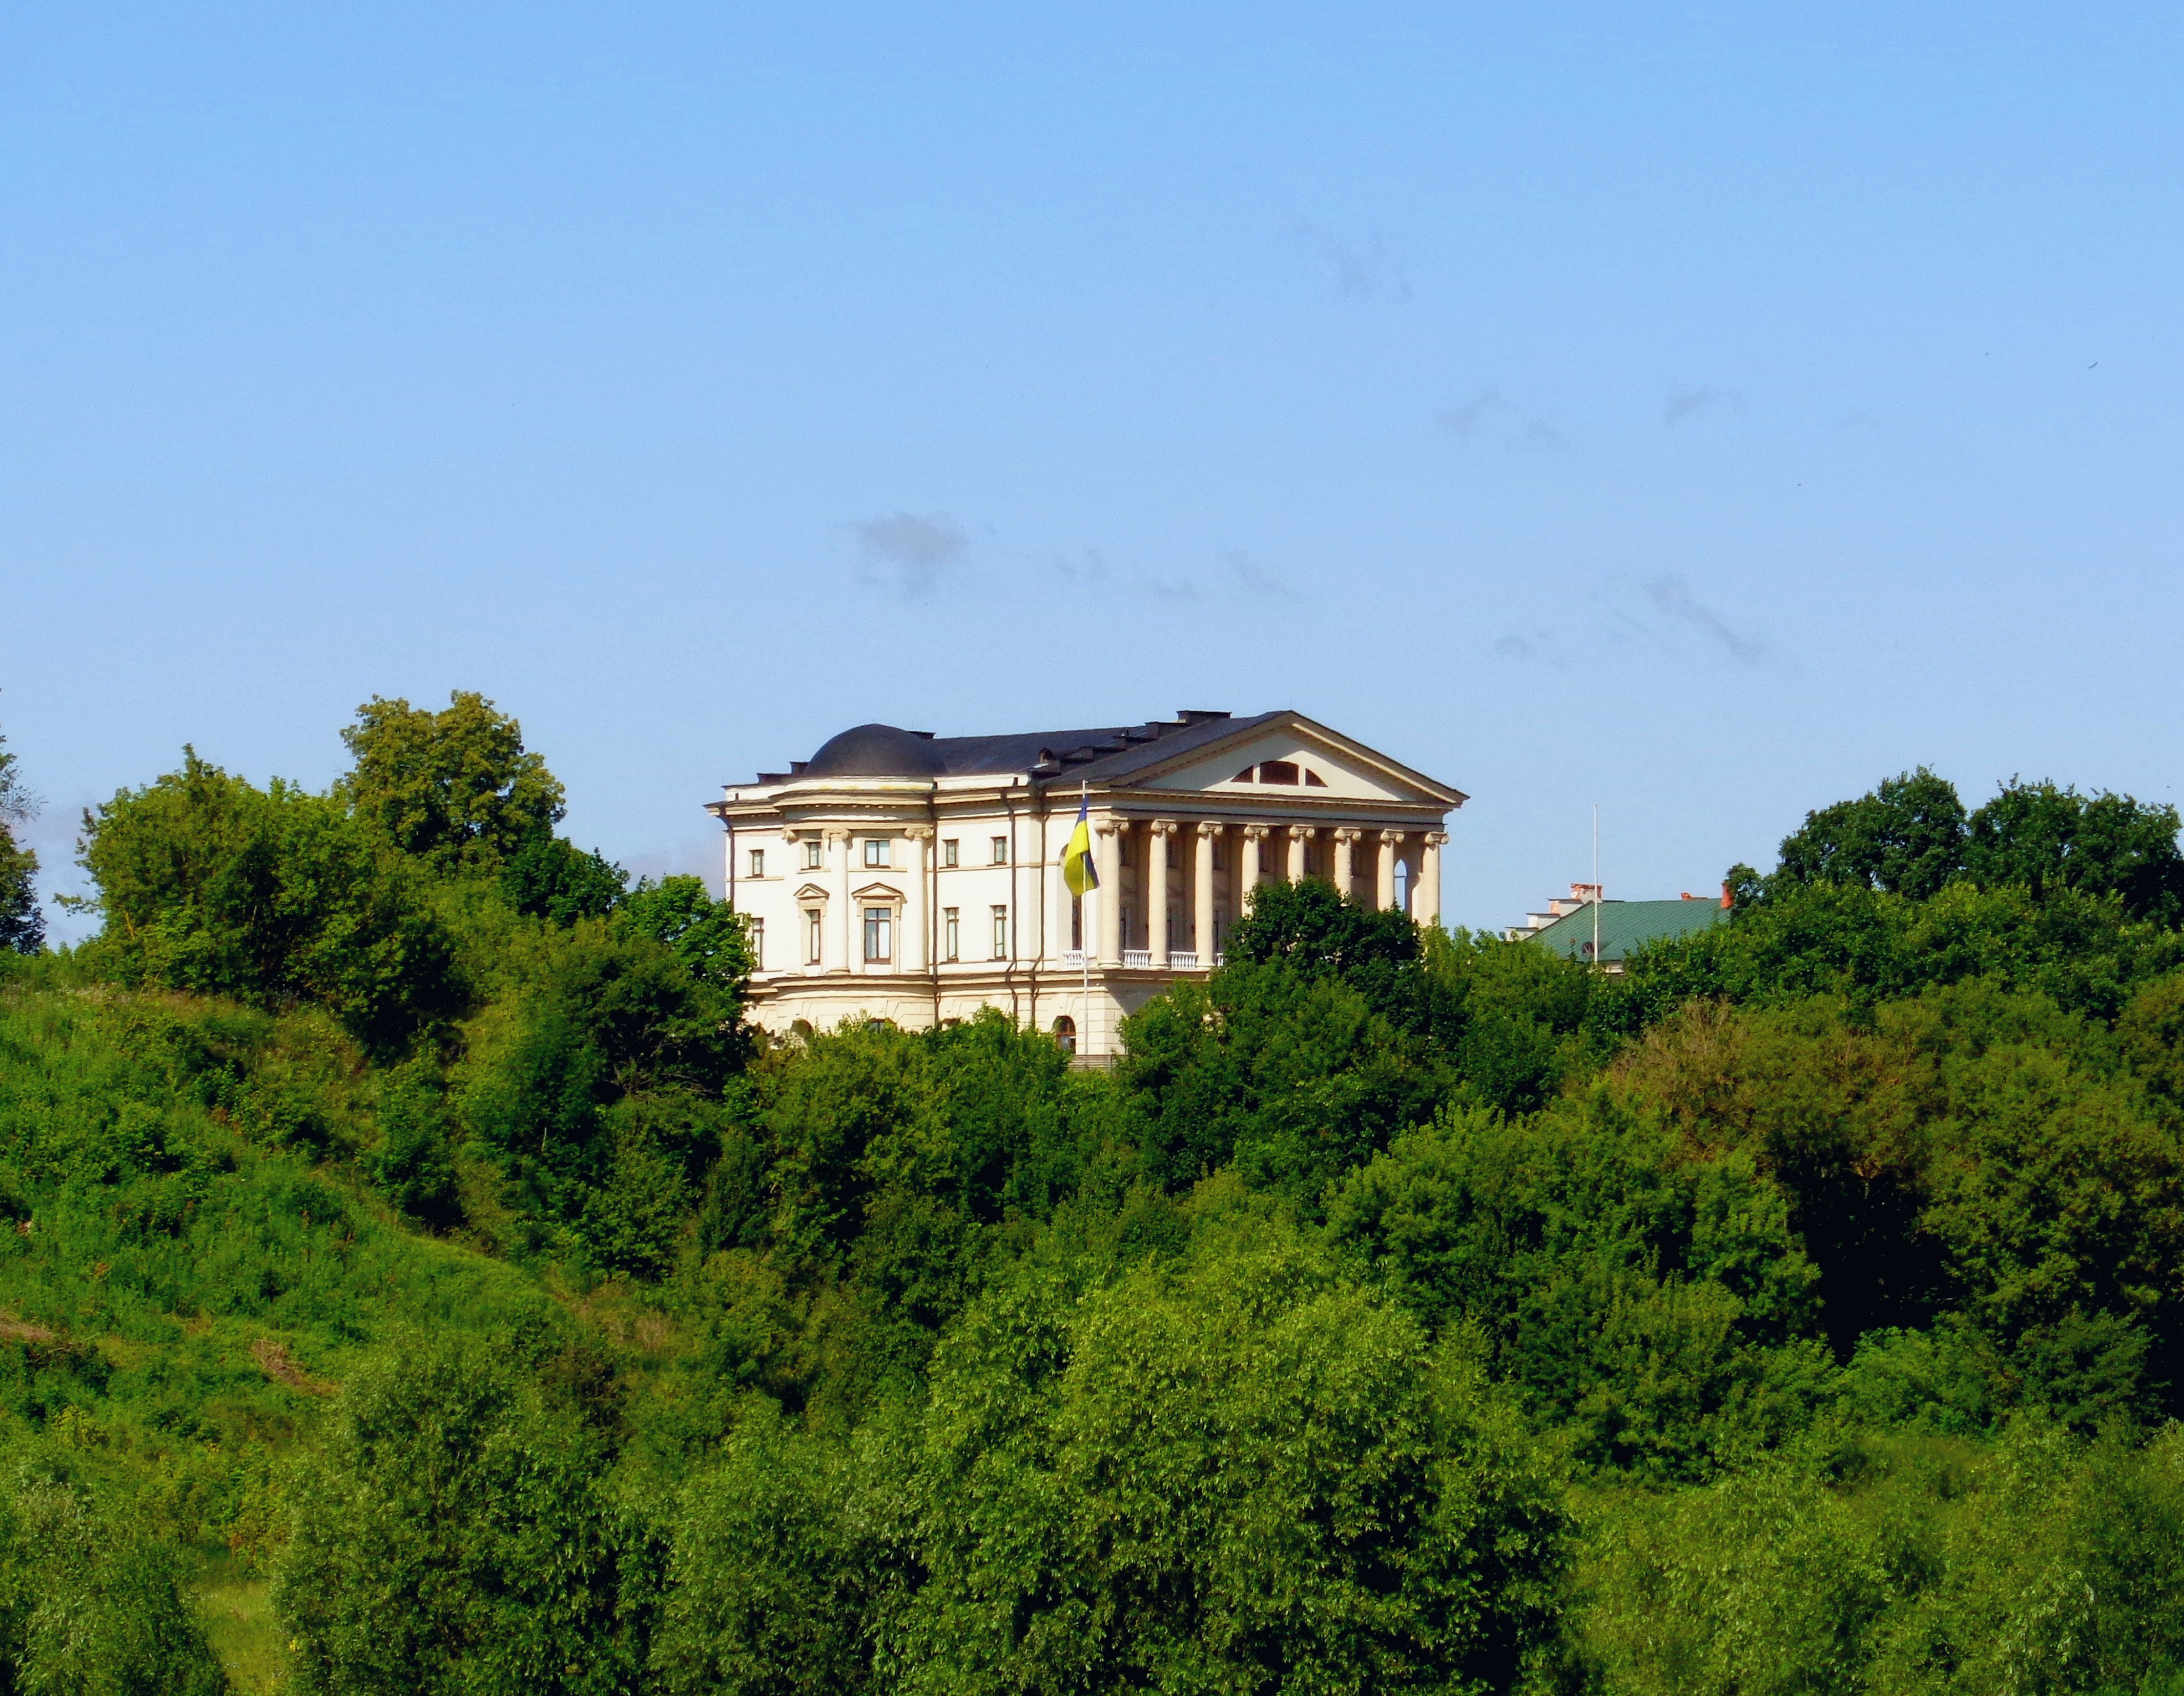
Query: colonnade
(1251, 854)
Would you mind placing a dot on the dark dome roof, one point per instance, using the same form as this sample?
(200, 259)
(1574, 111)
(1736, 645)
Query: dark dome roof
(876, 751)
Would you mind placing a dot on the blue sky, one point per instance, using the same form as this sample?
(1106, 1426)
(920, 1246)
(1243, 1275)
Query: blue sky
(1701, 410)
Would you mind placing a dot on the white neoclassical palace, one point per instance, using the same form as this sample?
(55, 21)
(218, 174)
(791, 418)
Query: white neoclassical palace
(897, 875)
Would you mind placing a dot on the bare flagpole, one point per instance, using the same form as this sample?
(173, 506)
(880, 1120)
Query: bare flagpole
(1596, 891)
(1084, 935)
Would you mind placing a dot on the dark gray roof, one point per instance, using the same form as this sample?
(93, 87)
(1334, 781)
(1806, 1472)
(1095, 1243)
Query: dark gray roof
(877, 751)
(1099, 755)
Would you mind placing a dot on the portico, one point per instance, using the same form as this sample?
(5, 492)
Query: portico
(940, 859)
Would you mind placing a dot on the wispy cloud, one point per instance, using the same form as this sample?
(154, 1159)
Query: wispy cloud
(1673, 599)
(1685, 404)
(1368, 267)
(1255, 577)
(1491, 416)
(1534, 645)
(908, 553)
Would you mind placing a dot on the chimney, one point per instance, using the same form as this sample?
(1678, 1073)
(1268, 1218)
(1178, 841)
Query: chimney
(1727, 900)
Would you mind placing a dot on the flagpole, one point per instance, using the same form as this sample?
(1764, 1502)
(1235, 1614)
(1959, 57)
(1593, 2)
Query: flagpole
(1084, 940)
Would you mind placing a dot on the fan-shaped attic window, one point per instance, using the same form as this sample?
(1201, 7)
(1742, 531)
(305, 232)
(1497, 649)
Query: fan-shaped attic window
(1277, 771)
(1312, 780)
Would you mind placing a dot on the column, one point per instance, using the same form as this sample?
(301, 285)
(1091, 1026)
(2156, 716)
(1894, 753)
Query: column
(1201, 890)
(911, 949)
(1108, 898)
(1158, 834)
(1346, 862)
(1300, 837)
(1255, 867)
(1425, 906)
(1383, 886)
(838, 841)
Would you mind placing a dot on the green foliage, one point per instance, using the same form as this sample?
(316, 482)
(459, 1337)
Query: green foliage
(91, 1607)
(455, 789)
(1657, 1312)
(1906, 836)
(2046, 1565)
(1910, 837)
(2043, 839)
(449, 1535)
(22, 926)
(2080, 950)
(549, 877)
(209, 884)
(1966, 1153)
(1309, 1492)
(607, 1014)
(392, 1201)
(781, 1569)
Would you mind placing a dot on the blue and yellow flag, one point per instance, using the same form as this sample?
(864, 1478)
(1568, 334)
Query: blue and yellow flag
(1077, 868)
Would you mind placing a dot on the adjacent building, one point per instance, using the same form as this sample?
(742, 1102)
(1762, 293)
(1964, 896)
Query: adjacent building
(1587, 926)
(900, 875)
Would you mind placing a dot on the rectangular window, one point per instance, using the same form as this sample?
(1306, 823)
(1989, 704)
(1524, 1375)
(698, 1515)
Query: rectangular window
(1076, 925)
(950, 852)
(758, 862)
(877, 851)
(811, 854)
(951, 934)
(1000, 850)
(879, 935)
(1220, 855)
(1001, 933)
(814, 920)
(756, 929)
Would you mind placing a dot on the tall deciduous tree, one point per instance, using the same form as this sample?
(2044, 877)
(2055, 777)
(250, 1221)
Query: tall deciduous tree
(2046, 838)
(455, 788)
(208, 883)
(1906, 836)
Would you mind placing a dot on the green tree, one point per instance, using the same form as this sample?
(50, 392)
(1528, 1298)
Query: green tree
(549, 877)
(2044, 839)
(455, 788)
(450, 1536)
(206, 883)
(89, 1607)
(1658, 1312)
(1907, 836)
(22, 926)
(1240, 1473)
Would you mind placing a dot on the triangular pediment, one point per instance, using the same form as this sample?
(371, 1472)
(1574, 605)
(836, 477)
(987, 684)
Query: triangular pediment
(811, 892)
(876, 891)
(1293, 757)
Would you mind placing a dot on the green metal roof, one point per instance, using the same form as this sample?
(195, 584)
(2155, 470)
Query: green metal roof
(1625, 926)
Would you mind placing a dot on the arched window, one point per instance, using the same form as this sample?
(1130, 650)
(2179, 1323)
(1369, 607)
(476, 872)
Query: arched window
(1065, 1033)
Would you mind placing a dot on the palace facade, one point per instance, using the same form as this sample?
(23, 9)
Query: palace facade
(900, 875)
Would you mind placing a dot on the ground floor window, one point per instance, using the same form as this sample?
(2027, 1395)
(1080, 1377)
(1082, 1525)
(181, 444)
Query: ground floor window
(879, 935)
(1065, 1032)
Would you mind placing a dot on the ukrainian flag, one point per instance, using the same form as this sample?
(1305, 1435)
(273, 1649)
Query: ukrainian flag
(1077, 868)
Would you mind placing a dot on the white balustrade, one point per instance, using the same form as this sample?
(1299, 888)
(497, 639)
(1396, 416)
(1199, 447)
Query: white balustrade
(1184, 959)
(1072, 959)
(1141, 959)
